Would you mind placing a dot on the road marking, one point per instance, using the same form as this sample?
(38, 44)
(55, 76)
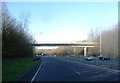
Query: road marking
(99, 76)
(36, 73)
(117, 71)
(77, 72)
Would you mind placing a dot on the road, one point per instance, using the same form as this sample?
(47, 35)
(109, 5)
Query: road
(57, 69)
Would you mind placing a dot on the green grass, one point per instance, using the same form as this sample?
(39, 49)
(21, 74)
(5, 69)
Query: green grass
(15, 67)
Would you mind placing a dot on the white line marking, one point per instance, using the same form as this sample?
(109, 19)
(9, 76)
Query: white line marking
(36, 73)
(77, 72)
(95, 66)
(98, 76)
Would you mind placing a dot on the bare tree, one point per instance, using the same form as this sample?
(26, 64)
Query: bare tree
(16, 41)
(109, 41)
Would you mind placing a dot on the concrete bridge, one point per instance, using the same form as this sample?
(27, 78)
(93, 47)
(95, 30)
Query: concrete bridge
(80, 44)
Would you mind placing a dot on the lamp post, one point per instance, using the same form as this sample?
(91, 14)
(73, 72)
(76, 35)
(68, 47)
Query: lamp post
(100, 42)
(33, 46)
(34, 43)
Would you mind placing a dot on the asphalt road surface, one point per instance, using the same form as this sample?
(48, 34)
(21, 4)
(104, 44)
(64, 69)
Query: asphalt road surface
(57, 69)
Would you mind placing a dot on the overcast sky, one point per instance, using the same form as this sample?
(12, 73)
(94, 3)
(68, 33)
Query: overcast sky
(61, 21)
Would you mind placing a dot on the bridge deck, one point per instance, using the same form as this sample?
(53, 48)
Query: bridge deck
(65, 44)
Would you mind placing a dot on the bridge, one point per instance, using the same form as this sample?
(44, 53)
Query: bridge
(73, 44)
(62, 44)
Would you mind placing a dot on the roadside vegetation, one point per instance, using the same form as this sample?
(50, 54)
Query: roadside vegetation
(109, 44)
(13, 68)
(109, 40)
(62, 51)
(17, 52)
(16, 39)
(0, 55)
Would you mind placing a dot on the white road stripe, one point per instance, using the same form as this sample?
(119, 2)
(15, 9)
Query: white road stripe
(36, 73)
(77, 72)
(95, 66)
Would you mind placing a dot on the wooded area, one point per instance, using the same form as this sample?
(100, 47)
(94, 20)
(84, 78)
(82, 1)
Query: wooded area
(109, 40)
(16, 38)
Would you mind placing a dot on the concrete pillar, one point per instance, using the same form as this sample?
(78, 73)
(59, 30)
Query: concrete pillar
(85, 50)
(68, 52)
(33, 51)
(74, 50)
(62, 51)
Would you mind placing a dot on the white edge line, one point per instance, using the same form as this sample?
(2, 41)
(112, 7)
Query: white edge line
(95, 66)
(36, 73)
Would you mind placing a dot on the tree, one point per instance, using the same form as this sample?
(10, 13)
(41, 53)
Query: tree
(109, 41)
(16, 41)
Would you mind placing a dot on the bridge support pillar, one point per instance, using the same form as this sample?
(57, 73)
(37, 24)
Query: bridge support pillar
(85, 51)
(34, 52)
(74, 51)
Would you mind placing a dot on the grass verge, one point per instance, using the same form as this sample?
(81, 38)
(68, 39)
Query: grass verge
(15, 67)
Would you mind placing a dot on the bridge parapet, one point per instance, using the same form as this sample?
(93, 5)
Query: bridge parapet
(64, 42)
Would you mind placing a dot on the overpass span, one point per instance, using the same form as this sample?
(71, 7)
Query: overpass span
(62, 44)
(85, 45)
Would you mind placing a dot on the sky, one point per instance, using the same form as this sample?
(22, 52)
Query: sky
(65, 21)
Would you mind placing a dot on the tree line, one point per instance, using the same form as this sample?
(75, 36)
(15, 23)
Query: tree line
(67, 51)
(109, 40)
(16, 39)
(109, 44)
